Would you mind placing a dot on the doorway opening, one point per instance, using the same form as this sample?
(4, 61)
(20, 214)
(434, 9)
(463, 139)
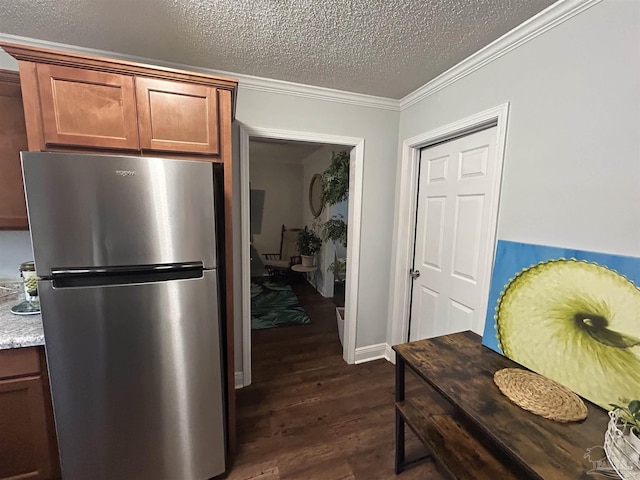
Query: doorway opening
(279, 172)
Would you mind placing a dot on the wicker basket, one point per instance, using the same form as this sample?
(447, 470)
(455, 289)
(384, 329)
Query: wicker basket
(623, 451)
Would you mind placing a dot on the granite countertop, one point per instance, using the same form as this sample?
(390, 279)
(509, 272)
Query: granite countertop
(17, 330)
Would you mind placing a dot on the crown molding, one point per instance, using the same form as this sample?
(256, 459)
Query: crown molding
(319, 93)
(246, 82)
(547, 19)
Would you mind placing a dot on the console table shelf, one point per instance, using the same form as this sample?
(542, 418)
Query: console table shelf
(472, 429)
(462, 454)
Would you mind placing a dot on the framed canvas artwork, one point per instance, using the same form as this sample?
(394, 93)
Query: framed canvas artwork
(570, 315)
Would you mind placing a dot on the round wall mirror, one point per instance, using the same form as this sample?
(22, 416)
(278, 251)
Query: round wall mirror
(315, 195)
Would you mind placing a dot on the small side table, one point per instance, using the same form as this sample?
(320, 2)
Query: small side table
(310, 272)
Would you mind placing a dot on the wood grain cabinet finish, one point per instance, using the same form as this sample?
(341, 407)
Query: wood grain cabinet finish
(27, 438)
(87, 108)
(13, 139)
(177, 117)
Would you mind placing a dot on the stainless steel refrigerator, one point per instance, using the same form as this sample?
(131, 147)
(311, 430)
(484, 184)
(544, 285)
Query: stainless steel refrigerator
(126, 251)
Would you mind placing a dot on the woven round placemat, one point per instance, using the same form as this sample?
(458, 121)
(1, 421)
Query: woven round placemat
(540, 395)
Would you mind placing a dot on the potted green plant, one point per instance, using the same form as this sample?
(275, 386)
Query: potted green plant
(335, 189)
(339, 269)
(308, 245)
(335, 229)
(630, 415)
(626, 420)
(335, 179)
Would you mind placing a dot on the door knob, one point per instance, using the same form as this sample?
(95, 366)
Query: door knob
(414, 273)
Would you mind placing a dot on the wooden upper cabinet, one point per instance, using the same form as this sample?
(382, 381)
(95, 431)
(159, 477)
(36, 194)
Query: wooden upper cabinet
(177, 117)
(13, 140)
(84, 103)
(87, 108)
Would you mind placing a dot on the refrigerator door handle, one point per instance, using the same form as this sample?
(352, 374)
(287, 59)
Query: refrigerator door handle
(98, 276)
(58, 272)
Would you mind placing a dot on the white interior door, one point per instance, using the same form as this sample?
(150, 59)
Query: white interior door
(455, 235)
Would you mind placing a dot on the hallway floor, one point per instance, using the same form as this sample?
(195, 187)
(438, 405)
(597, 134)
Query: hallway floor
(309, 415)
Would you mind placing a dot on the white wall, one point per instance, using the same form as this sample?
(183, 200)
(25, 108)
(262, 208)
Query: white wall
(572, 165)
(283, 187)
(316, 163)
(15, 246)
(7, 62)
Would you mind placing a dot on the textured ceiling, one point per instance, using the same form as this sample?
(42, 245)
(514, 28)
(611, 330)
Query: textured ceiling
(379, 47)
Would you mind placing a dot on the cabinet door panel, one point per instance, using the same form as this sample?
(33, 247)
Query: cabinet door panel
(13, 139)
(15, 362)
(23, 425)
(177, 117)
(87, 108)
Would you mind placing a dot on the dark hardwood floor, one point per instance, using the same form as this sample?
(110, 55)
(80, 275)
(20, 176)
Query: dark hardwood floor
(309, 415)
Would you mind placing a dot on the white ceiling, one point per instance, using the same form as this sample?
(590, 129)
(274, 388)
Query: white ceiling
(379, 47)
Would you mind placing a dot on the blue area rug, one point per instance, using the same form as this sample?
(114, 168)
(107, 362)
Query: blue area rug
(274, 304)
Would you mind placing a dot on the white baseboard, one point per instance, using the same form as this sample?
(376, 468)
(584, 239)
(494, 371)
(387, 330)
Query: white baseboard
(239, 380)
(372, 352)
(389, 354)
(363, 354)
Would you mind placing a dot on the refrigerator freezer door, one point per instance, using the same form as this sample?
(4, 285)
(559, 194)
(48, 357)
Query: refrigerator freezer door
(98, 210)
(136, 380)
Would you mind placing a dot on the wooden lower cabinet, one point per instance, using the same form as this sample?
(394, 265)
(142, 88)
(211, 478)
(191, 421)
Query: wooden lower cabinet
(27, 437)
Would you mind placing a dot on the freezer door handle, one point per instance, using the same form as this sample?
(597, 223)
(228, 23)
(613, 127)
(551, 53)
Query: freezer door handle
(98, 276)
(56, 271)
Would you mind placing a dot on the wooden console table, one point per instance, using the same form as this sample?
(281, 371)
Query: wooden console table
(475, 432)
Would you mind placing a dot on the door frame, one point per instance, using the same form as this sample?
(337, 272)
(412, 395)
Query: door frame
(353, 232)
(400, 304)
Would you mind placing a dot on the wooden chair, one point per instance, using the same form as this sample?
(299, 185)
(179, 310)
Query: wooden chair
(280, 263)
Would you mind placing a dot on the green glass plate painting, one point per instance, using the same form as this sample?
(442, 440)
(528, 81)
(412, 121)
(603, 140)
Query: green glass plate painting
(570, 315)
